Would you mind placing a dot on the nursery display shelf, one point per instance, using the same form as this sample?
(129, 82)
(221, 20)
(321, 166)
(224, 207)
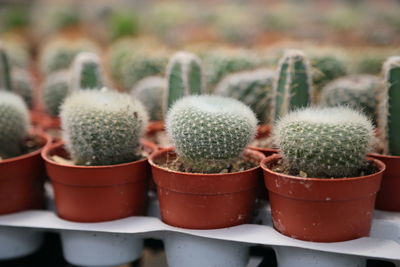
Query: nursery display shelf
(384, 242)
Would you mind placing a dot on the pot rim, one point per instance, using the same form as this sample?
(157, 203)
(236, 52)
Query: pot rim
(383, 156)
(46, 151)
(162, 151)
(381, 166)
(32, 133)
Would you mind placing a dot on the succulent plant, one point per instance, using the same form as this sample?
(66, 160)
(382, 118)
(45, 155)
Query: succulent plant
(293, 87)
(17, 51)
(388, 111)
(23, 85)
(122, 23)
(209, 132)
(150, 92)
(324, 142)
(356, 91)
(371, 60)
(184, 77)
(5, 70)
(55, 89)
(102, 127)
(14, 124)
(253, 88)
(86, 72)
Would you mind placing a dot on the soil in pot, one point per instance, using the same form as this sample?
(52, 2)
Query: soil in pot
(205, 201)
(22, 177)
(321, 209)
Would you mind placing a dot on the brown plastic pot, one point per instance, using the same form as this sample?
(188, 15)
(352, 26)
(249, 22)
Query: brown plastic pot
(264, 130)
(22, 179)
(388, 197)
(155, 126)
(98, 193)
(321, 210)
(205, 201)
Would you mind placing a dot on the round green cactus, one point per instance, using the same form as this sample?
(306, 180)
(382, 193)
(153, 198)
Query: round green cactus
(14, 124)
(357, 91)
(324, 142)
(209, 132)
(102, 127)
(23, 85)
(87, 72)
(55, 90)
(254, 88)
(150, 91)
(5, 70)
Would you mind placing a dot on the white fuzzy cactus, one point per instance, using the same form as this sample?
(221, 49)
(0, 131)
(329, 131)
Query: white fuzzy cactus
(86, 72)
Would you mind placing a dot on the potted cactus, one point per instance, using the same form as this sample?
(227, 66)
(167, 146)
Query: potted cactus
(388, 125)
(322, 187)
(209, 180)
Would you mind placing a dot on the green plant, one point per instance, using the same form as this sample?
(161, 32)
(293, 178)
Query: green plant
(293, 87)
(23, 85)
(55, 90)
(210, 132)
(5, 70)
(388, 118)
(324, 142)
(150, 91)
(184, 77)
(253, 88)
(356, 91)
(102, 127)
(86, 72)
(122, 24)
(14, 124)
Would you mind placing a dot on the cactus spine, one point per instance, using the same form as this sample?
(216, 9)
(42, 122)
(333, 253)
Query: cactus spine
(150, 92)
(389, 109)
(324, 142)
(102, 127)
(293, 87)
(14, 124)
(55, 90)
(185, 77)
(86, 72)
(5, 70)
(209, 132)
(254, 88)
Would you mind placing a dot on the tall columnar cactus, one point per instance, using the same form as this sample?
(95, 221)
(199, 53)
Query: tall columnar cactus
(389, 107)
(324, 142)
(102, 127)
(357, 91)
(23, 85)
(254, 88)
(14, 124)
(5, 70)
(55, 90)
(86, 72)
(209, 132)
(150, 92)
(293, 88)
(184, 77)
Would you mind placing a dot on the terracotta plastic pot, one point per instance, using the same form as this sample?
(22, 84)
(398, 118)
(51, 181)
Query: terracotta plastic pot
(205, 201)
(44, 121)
(98, 193)
(321, 210)
(154, 127)
(388, 197)
(264, 130)
(22, 179)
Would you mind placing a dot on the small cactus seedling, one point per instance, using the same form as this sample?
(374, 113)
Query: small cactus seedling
(102, 127)
(293, 87)
(389, 107)
(23, 83)
(14, 124)
(5, 70)
(356, 91)
(209, 132)
(185, 77)
(324, 142)
(150, 91)
(86, 72)
(254, 88)
(55, 90)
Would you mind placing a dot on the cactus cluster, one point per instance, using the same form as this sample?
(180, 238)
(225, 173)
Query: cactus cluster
(253, 88)
(293, 87)
(23, 85)
(150, 92)
(356, 91)
(86, 72)
(14, 124)
(324, 142)
(102, 127)
(209, 132)
(55, 89)
(389, 108)
(184, 77)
